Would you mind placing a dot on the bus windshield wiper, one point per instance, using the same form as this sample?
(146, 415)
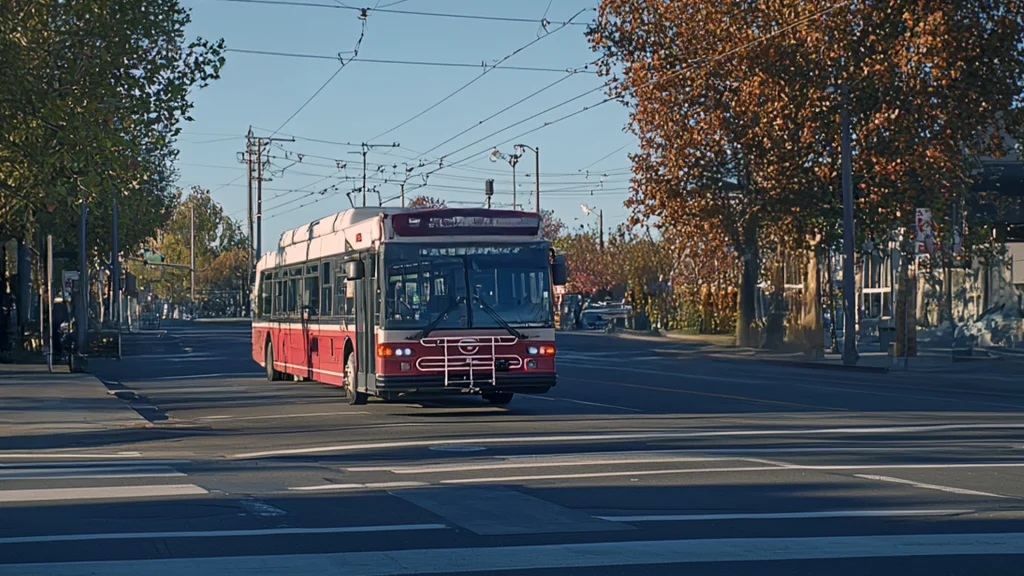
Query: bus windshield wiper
(497, 318)
(437, 321)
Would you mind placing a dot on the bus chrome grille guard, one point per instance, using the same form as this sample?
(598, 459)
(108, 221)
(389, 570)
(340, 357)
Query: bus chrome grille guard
(467, 355)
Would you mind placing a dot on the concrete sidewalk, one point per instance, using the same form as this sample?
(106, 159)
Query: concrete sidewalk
(928, 360)
(40, 410)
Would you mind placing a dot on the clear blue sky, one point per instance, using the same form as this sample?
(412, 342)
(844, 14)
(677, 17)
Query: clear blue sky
(366, 99)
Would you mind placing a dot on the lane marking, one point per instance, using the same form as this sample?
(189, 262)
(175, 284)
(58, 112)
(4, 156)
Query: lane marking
(212, 534)
(356, 486)
(99, 493)
(708, 394)
(784, 515)
(275, 416)
(85, 465)
(523, 558)
(545, 463)
(610, 474)
(770, 466)
(625, 436)
(37, 455)
(37, 473)
(915, 484)
(598, 404)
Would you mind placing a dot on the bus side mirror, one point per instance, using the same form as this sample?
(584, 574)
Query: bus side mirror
(559, 273)
(354, 269)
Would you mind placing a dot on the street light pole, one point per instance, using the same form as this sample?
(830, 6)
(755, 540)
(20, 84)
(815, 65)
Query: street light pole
(115, 268)
(82, 298)
(192, 253)
(850, 355)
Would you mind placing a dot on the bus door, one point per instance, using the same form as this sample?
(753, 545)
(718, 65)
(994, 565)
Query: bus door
(366, 310)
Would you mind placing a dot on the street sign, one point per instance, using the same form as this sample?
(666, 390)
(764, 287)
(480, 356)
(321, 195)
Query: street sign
(70, 278)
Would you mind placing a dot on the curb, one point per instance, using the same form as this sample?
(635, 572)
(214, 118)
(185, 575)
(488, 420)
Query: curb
(811, 364)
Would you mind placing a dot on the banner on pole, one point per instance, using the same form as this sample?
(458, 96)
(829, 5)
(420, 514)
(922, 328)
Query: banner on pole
(925, 242)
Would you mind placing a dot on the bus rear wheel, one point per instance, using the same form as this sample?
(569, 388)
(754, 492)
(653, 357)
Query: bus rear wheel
(355, 397)
(498, 398)
(273, 374)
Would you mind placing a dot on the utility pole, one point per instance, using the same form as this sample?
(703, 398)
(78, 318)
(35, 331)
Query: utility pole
(600, 226)
(248, 160)
(259, 202)
(256, 239)
(192, 253)
(850, 355)
(403, 194)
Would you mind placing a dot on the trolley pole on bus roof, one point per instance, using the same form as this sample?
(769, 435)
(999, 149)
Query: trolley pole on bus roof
(365, 149)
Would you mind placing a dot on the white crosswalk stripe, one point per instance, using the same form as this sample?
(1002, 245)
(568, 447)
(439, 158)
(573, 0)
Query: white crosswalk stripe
(57, 481)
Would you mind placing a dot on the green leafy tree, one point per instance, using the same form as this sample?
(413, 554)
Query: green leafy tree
(92, 95)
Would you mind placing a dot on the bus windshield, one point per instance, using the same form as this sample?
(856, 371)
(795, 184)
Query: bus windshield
(507, 281)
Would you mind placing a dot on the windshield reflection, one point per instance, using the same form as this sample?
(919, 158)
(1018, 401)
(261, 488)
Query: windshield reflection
(425, 281)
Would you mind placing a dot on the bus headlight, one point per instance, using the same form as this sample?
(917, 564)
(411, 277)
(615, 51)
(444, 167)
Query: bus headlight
(532, 350)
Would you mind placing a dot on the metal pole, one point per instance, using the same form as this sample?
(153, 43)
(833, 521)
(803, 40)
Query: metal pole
(259, 198)
(82, 305)
(600, 225)
(49, 298)
(403, 194)
(115, 269)
(364, 177)
(248, 158)
(192, 252)
(536, 174)
(850, 355)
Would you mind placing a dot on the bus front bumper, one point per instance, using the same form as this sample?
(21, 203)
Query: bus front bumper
(524, 383)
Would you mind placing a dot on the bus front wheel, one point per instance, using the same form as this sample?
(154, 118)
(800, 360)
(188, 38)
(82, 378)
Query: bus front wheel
(355, 397)
(272, 374)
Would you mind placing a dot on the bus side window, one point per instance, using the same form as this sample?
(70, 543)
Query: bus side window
(266, 292)
(279, 294)
(326, 297)
(311, 290)
(292, 295)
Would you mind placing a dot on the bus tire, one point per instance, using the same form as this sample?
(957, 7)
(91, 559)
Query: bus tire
(354, 396)
(498, 398)
(273, 375)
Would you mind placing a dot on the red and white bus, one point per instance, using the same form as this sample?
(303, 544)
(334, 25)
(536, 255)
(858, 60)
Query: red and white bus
(401, 303)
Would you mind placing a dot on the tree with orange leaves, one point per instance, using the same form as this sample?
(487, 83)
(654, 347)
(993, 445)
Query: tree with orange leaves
(421, 202)
(736, 106)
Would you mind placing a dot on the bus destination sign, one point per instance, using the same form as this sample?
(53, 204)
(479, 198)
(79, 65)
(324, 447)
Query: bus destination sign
(471, 222)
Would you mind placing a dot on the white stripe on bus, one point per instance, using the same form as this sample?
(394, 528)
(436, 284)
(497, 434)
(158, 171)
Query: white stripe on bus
(297, 367)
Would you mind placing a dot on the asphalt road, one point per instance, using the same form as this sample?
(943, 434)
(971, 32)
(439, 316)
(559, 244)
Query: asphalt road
(647, 457)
